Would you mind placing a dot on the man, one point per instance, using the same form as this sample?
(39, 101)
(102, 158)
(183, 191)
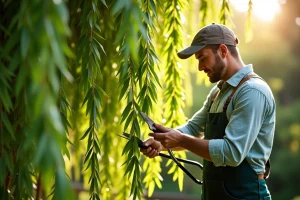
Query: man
(238, 120)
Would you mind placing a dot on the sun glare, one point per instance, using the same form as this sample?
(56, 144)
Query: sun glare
(265, 10)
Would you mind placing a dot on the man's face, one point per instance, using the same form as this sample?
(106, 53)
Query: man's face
(211, 64)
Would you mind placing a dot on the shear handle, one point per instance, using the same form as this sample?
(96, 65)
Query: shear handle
(182, 160)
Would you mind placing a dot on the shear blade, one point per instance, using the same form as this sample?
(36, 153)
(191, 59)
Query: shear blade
(148, 121)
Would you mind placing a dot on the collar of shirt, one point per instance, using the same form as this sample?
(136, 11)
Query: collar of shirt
(236, 78)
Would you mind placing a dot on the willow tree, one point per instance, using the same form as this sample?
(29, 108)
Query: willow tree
(73, 75)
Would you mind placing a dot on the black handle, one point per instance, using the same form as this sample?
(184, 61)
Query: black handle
(184, 169)
(182, 160)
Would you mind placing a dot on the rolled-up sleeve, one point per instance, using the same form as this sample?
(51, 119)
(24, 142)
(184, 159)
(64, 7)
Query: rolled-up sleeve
(216, 153)
(246, 119)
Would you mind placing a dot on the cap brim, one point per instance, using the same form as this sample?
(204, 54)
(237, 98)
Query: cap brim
(189, 51)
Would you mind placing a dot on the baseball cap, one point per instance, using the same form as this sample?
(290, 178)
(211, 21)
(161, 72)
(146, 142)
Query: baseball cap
(211, 34)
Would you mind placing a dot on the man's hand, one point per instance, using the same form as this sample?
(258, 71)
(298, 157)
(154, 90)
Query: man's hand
(154, 147)
(169, 138)
(175, 140)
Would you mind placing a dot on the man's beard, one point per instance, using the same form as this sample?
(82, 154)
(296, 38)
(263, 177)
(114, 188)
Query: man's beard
(217, 68)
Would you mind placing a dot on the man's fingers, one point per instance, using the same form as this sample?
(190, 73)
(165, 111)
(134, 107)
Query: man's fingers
(151, 154)
(161, 128)
(149, 142)
(146, 150)
(157, 135)
(154, 147)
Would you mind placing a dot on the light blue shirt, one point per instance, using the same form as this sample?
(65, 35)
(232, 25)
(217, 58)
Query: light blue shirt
(251, 115)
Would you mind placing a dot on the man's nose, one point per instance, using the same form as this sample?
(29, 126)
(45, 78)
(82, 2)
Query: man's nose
(201, 67)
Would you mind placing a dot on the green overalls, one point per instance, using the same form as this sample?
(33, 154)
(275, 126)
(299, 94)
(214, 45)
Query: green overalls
(229, 183)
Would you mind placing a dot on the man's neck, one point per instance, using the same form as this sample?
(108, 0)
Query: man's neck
(234, 65)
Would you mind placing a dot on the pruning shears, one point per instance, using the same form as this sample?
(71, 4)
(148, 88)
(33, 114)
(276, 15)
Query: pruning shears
(171, 154)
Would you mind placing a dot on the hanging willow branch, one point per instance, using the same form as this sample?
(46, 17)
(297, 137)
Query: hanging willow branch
(225, 13)
(7, 130)
(147, 73)
(203, 12)
(64, 109)
(38, 51)
(174, 91)
(89, 48)
(130, 13)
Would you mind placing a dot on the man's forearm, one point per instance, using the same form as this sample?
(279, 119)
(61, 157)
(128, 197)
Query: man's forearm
(196, 145)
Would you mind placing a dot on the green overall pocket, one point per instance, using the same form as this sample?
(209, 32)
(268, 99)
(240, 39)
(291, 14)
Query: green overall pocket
(216, 191)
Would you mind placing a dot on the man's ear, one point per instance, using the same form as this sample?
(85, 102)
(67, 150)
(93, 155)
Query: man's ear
(223, 49)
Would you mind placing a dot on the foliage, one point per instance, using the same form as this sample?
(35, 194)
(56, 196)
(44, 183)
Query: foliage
(148, 84)
(89, 56)
(34, 61)
(174, 93)
(225, 13)
(74, 74)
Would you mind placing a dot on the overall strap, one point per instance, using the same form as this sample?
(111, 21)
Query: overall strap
(237, 87)
(213, 99)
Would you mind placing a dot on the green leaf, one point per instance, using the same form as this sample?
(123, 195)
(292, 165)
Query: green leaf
(125, 88)
(151, 188)
(97, 27)
(126, 111)
(86, 133)
(96, 51)
(158, 182)
(91, 21)
(180, 180)
(128, 120)
(96, 146)
(129, 168)
(8, 125)
(95, 116)
(94, 7)
(5, 98)
(65, 121)
(101, 92)
(126, 148)
(87, 96)
(100, 45)
(118, 6)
